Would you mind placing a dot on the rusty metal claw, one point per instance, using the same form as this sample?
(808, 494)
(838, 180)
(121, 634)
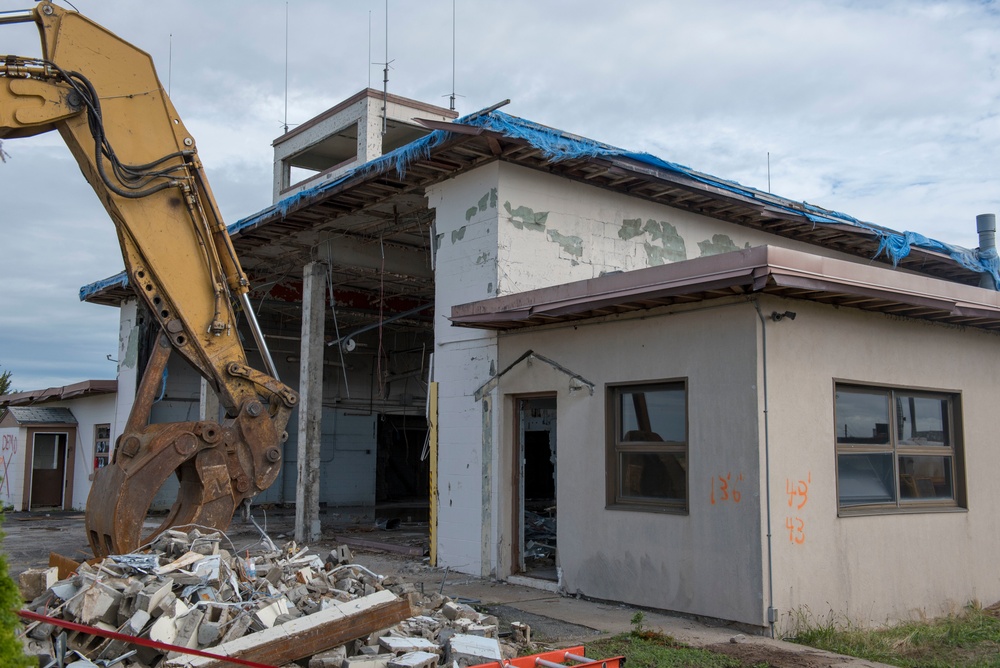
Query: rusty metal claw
(218, 466)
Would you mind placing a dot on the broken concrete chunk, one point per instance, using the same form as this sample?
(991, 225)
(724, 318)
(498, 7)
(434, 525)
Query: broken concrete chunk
(453, 611)
(403, 645)
(469, 650)
(372, 661)
(331, 658)
(414, 660)
(152, 595)
(33, 582)
(100, 603)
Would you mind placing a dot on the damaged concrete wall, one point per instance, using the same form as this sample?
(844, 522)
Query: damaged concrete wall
(707, 561)
(555, 231)
(880, 567)
(464, 359)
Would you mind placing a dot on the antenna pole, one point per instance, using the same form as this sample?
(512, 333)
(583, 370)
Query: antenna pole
(768, 171)
(369, 48)
(285, 124)
(385, 76)
(452, 107)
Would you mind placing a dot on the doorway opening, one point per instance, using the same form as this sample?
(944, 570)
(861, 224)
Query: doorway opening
(402, 474)
(48, 470)
(535, 553)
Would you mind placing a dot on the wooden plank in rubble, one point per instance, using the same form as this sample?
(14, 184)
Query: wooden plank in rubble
(305, 636)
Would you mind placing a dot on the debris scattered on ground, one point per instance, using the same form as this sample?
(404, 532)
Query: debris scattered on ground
(274, 607)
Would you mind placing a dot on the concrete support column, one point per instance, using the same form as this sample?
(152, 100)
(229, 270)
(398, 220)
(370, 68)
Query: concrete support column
(307, 527)
(208, 402)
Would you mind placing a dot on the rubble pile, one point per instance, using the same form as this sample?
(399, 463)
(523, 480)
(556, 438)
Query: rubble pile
(281, 607)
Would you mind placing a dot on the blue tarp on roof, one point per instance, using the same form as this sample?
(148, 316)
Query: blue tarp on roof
(558, 145)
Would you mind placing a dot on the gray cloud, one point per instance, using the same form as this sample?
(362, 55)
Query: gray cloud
(885, 110)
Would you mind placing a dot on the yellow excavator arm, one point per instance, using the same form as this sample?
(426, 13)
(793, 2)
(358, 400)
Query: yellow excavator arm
(103, 97)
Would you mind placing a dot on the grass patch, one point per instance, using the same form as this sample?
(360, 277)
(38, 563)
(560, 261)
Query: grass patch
(650, 649)
(971, 638)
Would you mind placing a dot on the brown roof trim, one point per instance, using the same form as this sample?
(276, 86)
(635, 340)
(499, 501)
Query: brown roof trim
(87, 387)
(357, 97)
(767, 269)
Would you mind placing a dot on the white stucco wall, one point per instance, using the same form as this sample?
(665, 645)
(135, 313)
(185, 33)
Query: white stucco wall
(879, 568)
(13, 445)
(464, 359)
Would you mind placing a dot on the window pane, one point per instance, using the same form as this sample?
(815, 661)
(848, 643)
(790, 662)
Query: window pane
(866, 478)
(659, 476)
(654, 415)
(862, 416)
(925, 477)
(46, 452)
(922, 420)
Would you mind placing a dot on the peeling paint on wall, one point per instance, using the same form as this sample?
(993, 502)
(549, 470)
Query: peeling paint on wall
(631, 228)
(488, 199)
(570, 243)
(483, 258)
(720, 243)
(524, 218)
(671, 246)
(458, 235)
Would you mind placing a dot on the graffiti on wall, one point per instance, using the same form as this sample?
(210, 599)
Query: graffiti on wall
(798, 496)
(8, 450)
(725, 488)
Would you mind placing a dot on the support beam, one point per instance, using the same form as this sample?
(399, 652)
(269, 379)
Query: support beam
(307, 527)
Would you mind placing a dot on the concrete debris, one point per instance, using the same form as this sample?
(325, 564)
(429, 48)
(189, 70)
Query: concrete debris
(274, 607)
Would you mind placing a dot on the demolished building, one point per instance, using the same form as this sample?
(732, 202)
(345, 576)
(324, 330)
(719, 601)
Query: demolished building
(710, 399)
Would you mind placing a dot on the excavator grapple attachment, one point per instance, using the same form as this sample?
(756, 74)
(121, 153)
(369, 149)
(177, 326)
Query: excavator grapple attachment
(103, 97)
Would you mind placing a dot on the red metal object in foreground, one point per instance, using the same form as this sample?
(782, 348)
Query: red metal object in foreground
(571, 656)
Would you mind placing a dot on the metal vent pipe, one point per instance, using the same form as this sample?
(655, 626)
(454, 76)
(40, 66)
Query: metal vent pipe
(986, 226)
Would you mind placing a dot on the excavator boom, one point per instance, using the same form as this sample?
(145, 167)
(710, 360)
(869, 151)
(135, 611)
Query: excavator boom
(103, 97)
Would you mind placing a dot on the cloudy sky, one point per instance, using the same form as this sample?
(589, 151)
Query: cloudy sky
(887, 111)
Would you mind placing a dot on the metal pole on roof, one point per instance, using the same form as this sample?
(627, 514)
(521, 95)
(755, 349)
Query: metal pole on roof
(286, 67)
(452, 55)
(385, 76)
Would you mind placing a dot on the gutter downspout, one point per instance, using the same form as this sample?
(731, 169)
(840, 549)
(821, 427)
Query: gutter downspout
(772, 615)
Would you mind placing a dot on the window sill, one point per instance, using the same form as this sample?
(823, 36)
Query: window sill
(639, 508)
(906, 510)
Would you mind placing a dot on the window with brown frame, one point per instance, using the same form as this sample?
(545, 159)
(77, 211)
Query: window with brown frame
(647, 446)
(897, 449)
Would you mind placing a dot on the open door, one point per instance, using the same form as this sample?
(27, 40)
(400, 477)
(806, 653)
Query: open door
(535, 551)
(48, 470)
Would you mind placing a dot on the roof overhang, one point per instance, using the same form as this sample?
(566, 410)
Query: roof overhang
(84, 388)
(764, 269)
